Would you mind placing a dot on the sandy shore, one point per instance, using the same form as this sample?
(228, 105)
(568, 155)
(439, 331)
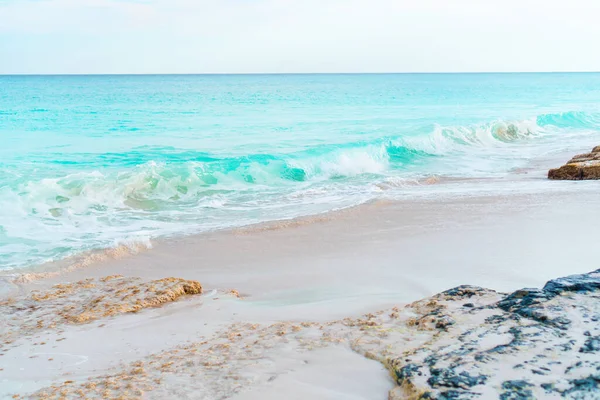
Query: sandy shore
(314, 270)
(377, 254)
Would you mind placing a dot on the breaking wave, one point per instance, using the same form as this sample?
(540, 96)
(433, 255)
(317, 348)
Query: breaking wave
(92, 200)
(151, 178)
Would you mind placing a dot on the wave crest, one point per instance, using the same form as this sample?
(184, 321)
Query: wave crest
(205, 180)
(570, 120)
(94, 199)
(447, 139)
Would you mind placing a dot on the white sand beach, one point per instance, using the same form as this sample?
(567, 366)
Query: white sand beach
(299, 200)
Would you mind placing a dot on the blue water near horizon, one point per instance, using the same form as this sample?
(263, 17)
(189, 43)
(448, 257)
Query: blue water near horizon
(88, 162)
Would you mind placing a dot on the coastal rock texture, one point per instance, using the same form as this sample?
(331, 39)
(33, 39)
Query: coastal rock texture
(86, 301)
(464, 343)
(581, 167)
(527, 345)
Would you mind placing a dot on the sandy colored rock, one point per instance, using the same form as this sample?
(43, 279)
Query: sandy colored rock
(88, 300)
(581, 167)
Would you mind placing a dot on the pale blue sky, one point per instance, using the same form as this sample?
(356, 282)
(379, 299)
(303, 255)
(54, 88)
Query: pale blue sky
(238, 36)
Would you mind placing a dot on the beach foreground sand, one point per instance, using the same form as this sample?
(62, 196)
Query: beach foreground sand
(314, 307)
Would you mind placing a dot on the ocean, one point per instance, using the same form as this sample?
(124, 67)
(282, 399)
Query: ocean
(92, 162)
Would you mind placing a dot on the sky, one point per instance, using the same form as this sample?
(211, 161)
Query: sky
(297, 36)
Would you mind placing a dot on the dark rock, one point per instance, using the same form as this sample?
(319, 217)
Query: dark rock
(583, 283)
(447, 377)
(431, 360)
(578, 364)
(483, 358)
(464, 291)
(528, 302)
(406, 372)
(443, 322)
(516, 385)
(590, 385)
(497, 319)
(561, 321)
(565, 346)
(516, 390)
(538, 372)
(522, 299)
(456, 395)
(581, 167)
(591, 345)
(548, 387)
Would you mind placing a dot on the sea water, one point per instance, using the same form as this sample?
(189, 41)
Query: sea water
(89, 162)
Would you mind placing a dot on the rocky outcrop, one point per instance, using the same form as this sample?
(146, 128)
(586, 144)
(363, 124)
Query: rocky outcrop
(533, 343)
(464, 343)
(86, 301)
(581, 167)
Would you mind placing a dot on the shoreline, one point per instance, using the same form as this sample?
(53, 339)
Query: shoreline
(345, 230)
(526, 180)
(328, 238)
(90, 258)
(293, 291)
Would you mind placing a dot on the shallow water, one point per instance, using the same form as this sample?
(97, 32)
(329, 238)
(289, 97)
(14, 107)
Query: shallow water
(94, 161)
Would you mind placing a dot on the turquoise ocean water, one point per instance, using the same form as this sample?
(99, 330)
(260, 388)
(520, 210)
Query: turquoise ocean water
(90, 162)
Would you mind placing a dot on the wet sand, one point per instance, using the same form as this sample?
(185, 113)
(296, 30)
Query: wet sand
(315, 269)
(381, 253)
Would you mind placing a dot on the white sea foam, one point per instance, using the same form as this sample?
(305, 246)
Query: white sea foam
(371, 159)
(50, 217)
(444, 140)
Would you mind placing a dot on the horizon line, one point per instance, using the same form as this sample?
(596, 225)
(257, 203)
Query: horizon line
(300, 73)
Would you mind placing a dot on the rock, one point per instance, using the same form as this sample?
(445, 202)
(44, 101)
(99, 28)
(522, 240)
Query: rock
(537, 332)
(448, 377)
(581, 167)
(86, 301)
(575, 283)
(591, 345)
(463, 291)
(464, 343)
(516, 390)
(586, 388)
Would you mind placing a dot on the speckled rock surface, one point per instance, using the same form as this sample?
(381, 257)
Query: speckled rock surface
(533, 343)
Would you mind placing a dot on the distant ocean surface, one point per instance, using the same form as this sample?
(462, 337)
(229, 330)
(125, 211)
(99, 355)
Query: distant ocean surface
(89, 162)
